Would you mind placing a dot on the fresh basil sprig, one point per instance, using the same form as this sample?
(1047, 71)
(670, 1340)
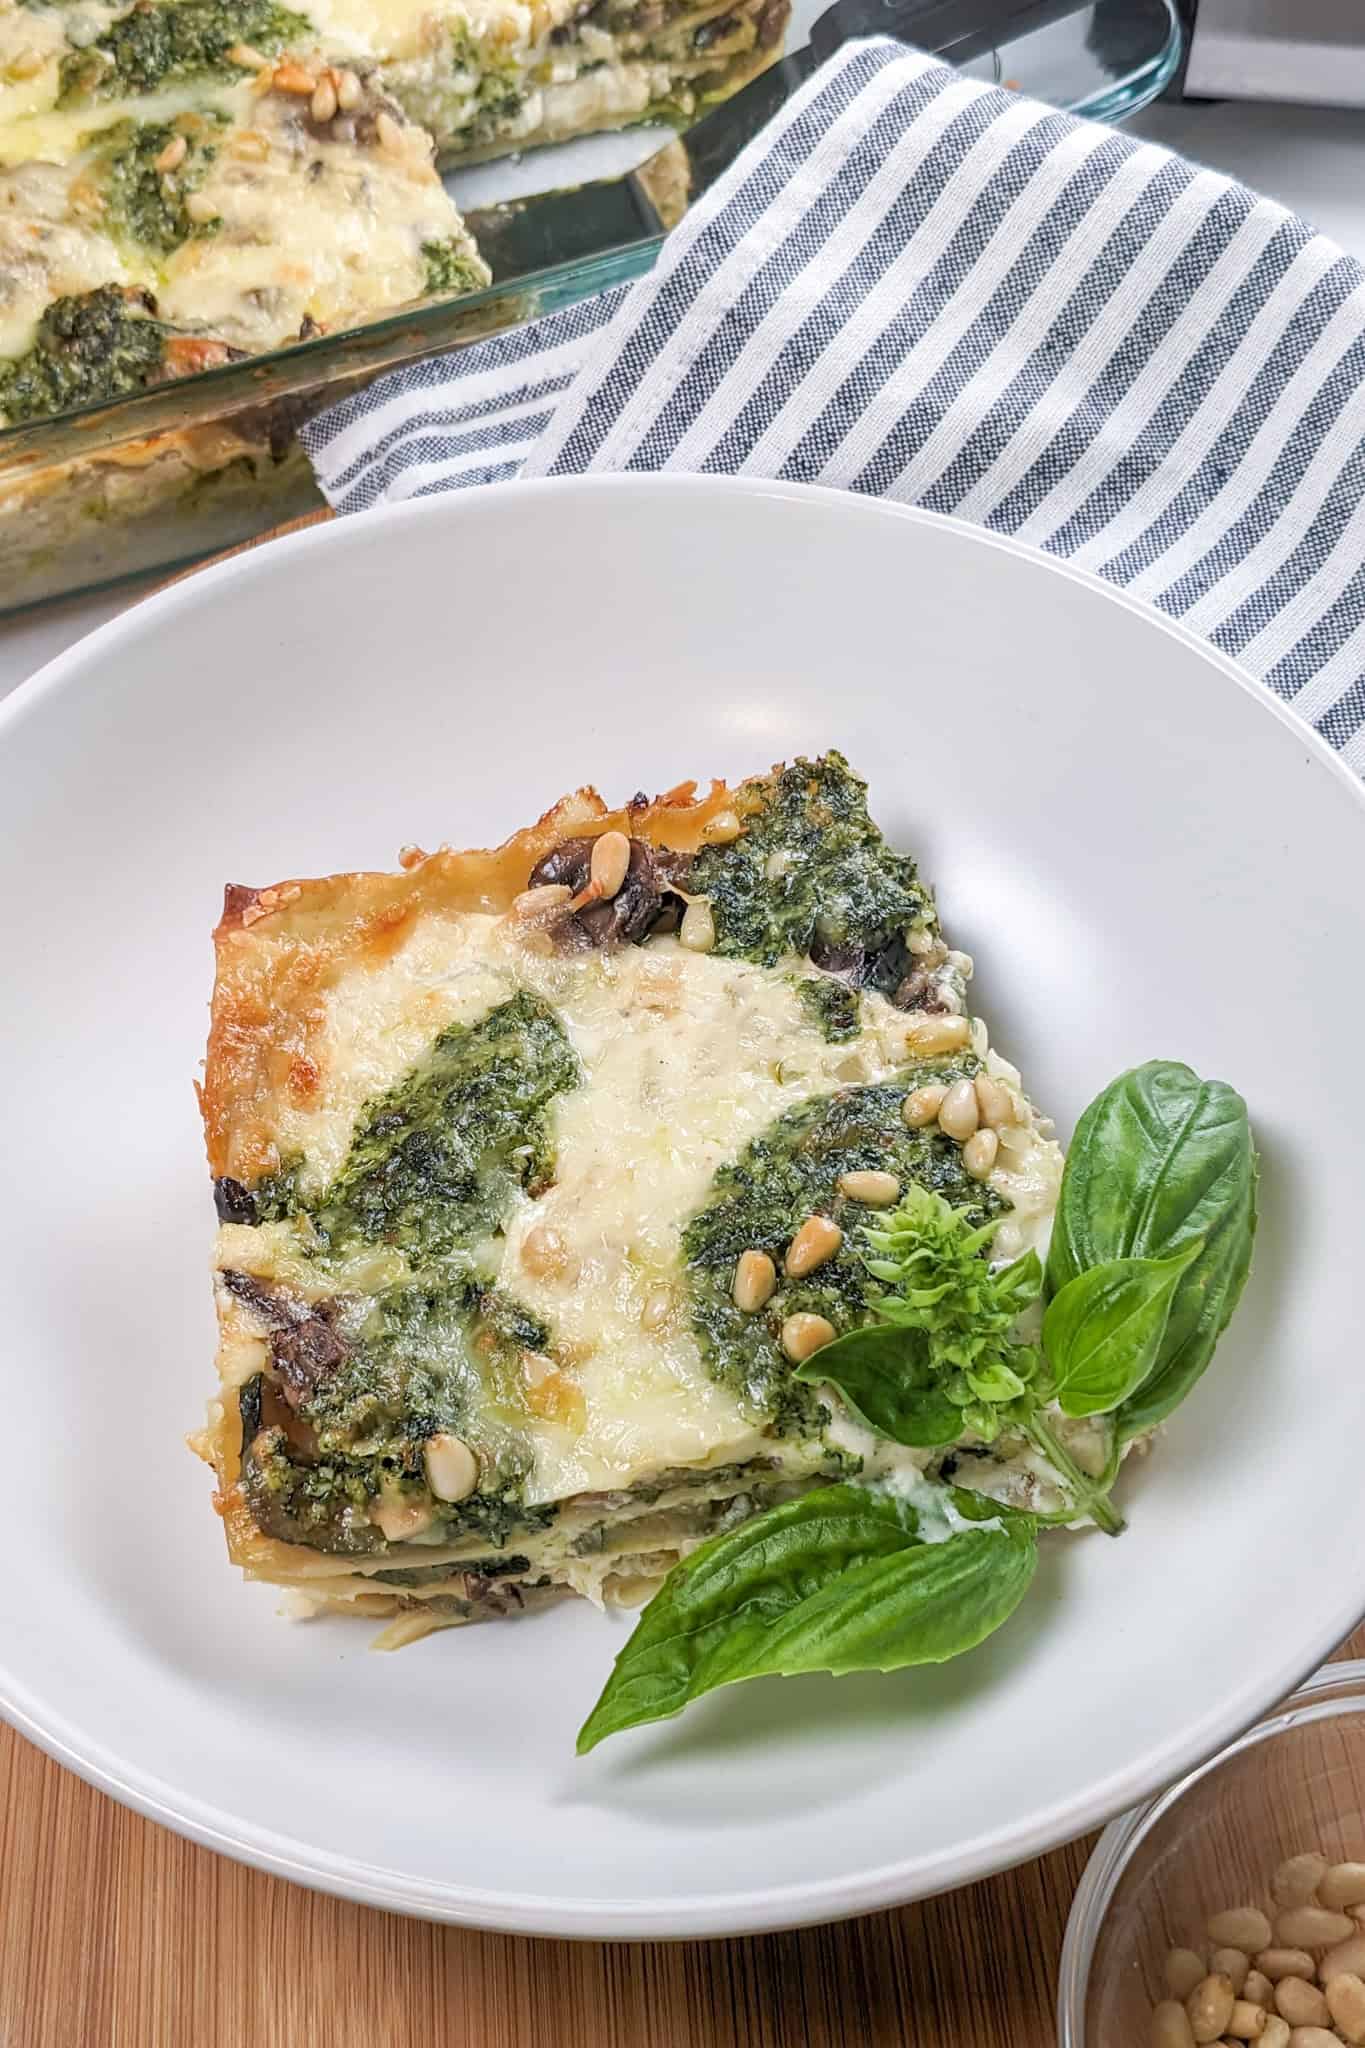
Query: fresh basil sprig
(941, 1357)
(1162, 1167)
(1161, 1162)
(841, 1580)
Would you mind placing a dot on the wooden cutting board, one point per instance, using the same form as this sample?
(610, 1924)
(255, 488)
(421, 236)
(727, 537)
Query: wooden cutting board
(115, 1933)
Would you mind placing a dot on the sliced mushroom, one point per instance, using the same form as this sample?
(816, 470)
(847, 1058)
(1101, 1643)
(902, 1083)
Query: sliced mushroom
(644, 902)
(305, 1345)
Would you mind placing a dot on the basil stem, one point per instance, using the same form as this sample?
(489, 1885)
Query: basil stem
(1089, 1496)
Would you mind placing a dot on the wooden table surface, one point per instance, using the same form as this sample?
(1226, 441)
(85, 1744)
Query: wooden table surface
(115, 1933)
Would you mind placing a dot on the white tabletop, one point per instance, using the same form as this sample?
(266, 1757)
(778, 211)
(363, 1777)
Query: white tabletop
(1310, 158)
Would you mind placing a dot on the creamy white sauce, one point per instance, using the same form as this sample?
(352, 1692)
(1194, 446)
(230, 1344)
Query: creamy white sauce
(937, 1516)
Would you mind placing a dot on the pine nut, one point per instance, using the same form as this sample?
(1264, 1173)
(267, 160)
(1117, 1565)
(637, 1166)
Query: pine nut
(921, 1106)
(959, 1115)
(1275, 2033)
(932, 1033)
(544, 1252)
(542, 904)
(1343, 1885)
(817, 1240)
(720, 830)
(1301, 2003)
(995, 1102)
(876, 1190)
(350, 91)
(936, 1033)
(610, 859)
(755, 1279)
(978, 1154)
(1209, 2006)
(398, 1521)
(173, 155)
(1248, 2020)
(1232, 1964)
(1311, 2037)
(657, 1309)
(200, 207)
(920, 941)
(1258, 1989)
(388, 134)
(1171, 2026)
(1346, 2003)
(803, 1334)
(1284, 1962)
(1312, 1927)
(1241, 1927)
(324, 101)
(1184, 1969)
(452, 1469)
(249, 59)
(1346, 1959)
(698, 928)
(1298, 1878)
(293, 78)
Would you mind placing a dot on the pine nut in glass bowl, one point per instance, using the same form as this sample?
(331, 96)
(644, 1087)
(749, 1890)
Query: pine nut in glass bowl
(1251, 1841)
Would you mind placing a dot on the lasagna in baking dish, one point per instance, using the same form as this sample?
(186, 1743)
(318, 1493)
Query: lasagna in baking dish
(160, 246)
(238, 174)
(540, 1172)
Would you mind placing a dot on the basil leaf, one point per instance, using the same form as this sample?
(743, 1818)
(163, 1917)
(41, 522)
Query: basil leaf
(1019, 1284)
(1103, 1333)
(837, 1581)
(884, 1375)
(1160, 1161)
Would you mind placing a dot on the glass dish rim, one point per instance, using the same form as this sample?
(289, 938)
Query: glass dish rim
(1336, 1688)
(423, 328)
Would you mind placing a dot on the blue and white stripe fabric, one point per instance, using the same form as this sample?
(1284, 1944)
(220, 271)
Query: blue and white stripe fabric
(923, 288)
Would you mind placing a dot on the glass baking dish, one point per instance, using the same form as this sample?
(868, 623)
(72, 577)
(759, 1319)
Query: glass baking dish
(160, 478)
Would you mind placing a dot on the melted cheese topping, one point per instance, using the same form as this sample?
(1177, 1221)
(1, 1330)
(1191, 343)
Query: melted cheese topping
(46, 250)
(54, 136)
(33, 41)
(311, 229)
(399, 28)
(685, 1058)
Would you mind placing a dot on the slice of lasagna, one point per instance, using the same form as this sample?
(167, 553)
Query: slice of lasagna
(539, 1169)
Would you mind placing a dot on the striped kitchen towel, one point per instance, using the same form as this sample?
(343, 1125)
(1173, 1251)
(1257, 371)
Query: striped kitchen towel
(917, 286)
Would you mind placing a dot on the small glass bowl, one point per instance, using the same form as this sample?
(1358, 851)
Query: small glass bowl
(1295, 1781)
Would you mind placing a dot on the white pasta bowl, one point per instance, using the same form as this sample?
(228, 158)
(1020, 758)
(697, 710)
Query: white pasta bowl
(1147, 856)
